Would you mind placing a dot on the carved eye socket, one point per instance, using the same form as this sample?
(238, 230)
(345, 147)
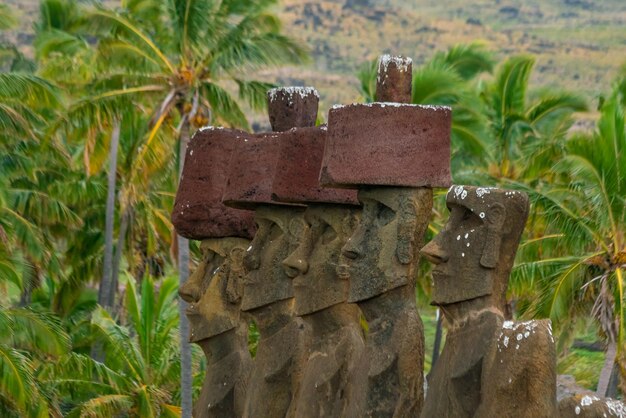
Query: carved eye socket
(296, 227)
(275, 232)
(467, 215)
(328, 234)
(385, 214)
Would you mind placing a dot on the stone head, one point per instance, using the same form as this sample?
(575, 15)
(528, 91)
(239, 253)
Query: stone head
(474, 252)
(266, 281)
(214, 289)
(382, 252)
(321, 233)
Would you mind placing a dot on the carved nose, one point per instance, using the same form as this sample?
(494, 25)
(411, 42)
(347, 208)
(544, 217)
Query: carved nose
(434, 253)
(251, 261)
(189, 291)
(295, 266)
(352, 249)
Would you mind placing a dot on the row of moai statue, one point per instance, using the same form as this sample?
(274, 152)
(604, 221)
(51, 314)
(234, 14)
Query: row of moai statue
(313, 231)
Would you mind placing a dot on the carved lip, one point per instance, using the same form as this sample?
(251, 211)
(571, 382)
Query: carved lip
(192, 311)
(343, 271)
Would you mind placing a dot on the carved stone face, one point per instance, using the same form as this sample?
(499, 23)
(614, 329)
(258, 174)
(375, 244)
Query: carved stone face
(456, 251)
(214, 289)
(474, 252)
(266, 281)
(321, 234)
(381, 254)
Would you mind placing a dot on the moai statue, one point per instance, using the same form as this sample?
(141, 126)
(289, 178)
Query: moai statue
(588, 405)
(394, 154)
(330, 374)
(268, 291)
(214, 290)
(489, 367)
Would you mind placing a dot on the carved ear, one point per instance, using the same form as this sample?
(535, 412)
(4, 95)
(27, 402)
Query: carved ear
(234, 285)
(495, 225)
(406, 230)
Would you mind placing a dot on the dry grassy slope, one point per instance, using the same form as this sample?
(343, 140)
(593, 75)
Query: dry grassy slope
(579, 44)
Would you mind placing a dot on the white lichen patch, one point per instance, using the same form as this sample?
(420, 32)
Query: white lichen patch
(588, 400)
(577, 410)
(210, 128)
(402, 63)
(291, 91)
(459, 192)
(616, 408)
(393, 104)
(481, 191)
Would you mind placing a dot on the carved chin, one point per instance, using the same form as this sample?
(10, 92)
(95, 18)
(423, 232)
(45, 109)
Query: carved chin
(210, 327)
(368, 287)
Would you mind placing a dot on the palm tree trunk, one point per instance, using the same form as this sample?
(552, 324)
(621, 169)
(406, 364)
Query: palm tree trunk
(183, 271)
(117, 259)
(105, 290)
(607, 369)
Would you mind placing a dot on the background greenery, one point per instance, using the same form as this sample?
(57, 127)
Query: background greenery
(98, 101)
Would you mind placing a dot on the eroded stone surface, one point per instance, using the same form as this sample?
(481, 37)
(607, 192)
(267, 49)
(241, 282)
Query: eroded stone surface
(213, 292)
(380, 260)
(330, 384)
(488, 366)
(387, 144)
(591, 406)
(268, 300)
(198, 210)
(292, 107)
(298, 168)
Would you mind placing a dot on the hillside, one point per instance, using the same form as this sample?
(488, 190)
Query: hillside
(579, 44)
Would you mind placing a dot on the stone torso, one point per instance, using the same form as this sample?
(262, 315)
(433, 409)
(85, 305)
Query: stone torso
(224, 388)
(277, 365)
(329, 375)
(494, 368)
(394, 380)
(520, 380)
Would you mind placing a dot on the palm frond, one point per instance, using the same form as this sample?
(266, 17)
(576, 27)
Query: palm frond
(467, 60)
(254, 92)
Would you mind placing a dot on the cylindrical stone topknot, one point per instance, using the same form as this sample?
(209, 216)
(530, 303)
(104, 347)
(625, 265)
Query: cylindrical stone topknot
(292, 107)
(394, 80)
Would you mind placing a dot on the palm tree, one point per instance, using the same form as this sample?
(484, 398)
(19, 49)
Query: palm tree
(583, 271)
(140, 373)
(29, 339)
(195, 47)
(527, 134)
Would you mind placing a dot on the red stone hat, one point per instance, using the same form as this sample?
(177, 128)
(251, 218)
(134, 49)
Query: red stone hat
(251, 172)
(297, 173)
(292, 107)
(198, 210)
(387, 144)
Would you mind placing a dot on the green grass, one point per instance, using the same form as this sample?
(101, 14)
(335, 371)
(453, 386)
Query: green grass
(584, 365)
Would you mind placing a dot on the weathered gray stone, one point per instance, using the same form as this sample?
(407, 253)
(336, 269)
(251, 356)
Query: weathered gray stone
(488, 367)
(214, 295)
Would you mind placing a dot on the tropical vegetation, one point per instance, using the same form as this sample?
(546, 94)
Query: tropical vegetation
(93, 131)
